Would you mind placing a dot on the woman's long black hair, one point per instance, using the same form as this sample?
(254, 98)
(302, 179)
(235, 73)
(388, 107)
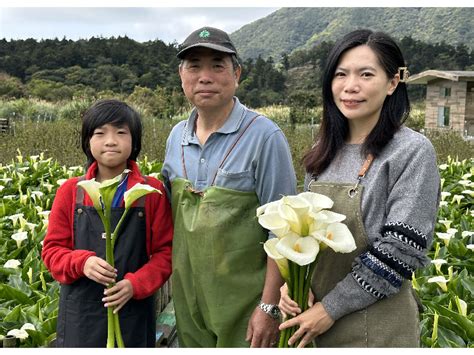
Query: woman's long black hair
(117, 113)
(334, 128)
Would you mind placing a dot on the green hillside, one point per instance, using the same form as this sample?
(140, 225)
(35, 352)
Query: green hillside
(295, 28)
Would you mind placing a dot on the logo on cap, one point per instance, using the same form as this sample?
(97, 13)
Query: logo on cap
(204, 34)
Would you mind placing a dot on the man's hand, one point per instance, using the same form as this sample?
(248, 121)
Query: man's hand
(99, 270)
(118, 295)
(262, 331)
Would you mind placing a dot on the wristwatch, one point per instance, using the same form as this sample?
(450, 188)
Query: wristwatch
(271, 309)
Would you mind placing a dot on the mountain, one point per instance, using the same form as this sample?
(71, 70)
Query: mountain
(288, 29)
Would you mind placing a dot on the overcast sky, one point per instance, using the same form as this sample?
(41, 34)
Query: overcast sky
(146, 21)
(141, 24)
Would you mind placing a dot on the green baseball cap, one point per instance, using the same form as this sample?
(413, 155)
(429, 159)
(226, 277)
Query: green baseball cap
(208, 37)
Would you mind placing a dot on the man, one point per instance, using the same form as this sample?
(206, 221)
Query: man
(221, 164)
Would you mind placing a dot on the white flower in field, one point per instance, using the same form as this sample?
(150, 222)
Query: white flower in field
(468, 192)
(61, 181)
(27, 326)
(19, 237)
(470, 247)
(457, 198)
(18, 333)
(443, 166)
(12, 264)
(6, 180)
(445, 237)
(23, 199)
(466, 176)
(464, 182)
(452, 231)
(445, 194)
(34, 158)
(467, 234)
(48, 186)
(36, 195)
(30, 275)
(462, 306)
(446, 222)
(438, 262)
(30, 226)
(44, 214)
(442, 180)
(443, 203)
(441, 281)
(9, 197)
(15, 217)
(23, 169)
(1, 187)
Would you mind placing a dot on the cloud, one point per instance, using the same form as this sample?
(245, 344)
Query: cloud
(142, 24)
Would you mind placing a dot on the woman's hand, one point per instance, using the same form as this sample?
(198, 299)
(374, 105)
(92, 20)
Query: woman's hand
(118, 295)
(288, 306)
(99, 270)
(312, 322)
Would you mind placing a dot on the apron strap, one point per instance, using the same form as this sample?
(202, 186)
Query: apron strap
(232, 147)
(363, 170)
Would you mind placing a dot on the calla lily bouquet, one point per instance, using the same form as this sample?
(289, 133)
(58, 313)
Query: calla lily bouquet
(102, 195)
(303, 226)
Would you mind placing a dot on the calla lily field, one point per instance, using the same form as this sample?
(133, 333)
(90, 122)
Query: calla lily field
(302, 224)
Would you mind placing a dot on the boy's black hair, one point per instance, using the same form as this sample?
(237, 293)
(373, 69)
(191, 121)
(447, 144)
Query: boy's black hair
(113, 112)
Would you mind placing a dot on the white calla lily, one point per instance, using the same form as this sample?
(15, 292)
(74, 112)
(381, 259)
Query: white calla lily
(27, 326)
(12, 264)
(268, 207)
(19, 237)
(18, 333)
(137, 191)
(317, 201)
(441, 281)
(300, 250)
(337, 237)
(280, 260)
(92, 189)
(461, 305)
(438, 262)
(274, 222)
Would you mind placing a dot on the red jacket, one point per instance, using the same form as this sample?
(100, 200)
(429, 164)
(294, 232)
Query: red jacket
(66, 264)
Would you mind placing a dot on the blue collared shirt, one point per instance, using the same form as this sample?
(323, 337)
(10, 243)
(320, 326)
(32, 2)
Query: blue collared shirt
(261, 160)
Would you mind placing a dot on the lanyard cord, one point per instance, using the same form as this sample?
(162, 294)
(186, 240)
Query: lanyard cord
(225, 156)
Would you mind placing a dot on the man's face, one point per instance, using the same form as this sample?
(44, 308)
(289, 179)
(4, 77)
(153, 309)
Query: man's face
(208, 78)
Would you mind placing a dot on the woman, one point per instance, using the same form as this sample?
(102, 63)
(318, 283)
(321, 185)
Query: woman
(384, 178)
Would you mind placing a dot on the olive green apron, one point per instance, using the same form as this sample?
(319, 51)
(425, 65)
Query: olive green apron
(218, 263)
(390, 322)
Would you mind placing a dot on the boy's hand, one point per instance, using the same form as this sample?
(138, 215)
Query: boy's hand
(99, 270)
(118, 295)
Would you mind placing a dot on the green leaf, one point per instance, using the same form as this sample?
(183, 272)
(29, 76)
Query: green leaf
(464, 322)
(449, 339)
(9, 293)
(14, 315)
(468, 284)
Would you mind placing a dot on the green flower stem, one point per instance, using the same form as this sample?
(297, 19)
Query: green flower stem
(118, 332)
(110, 328)
(307, 285)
